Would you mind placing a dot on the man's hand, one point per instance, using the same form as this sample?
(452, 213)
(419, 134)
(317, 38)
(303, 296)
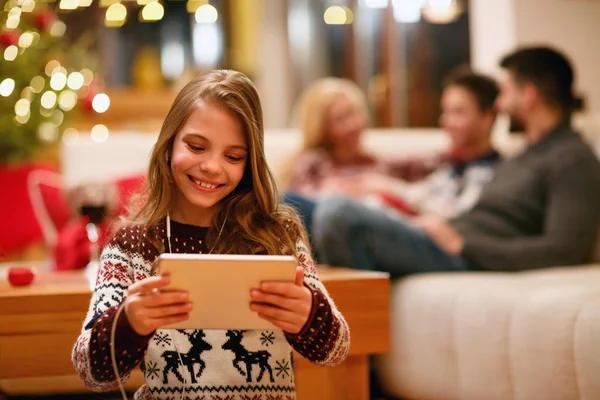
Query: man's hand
(441, 232)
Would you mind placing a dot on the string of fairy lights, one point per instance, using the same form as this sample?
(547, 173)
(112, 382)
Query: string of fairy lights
(59, 89)
(117, 11)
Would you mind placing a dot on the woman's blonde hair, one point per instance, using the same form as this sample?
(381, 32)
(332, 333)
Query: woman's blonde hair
(312, 110)
(255, 221)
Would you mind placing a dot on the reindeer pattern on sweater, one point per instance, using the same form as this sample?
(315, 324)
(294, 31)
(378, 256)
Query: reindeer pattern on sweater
(198, 364)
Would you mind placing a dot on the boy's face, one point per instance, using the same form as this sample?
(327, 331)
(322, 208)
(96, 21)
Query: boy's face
(462, 118)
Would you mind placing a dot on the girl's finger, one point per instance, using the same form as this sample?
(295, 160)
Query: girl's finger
(159, 299)
(159, 322)
(284, 326)
(275, 312)
(168, 311)
(299, 276)
(148, 285)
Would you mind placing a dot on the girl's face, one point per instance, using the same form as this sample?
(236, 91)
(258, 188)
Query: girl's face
(209, 156)
(345, 123)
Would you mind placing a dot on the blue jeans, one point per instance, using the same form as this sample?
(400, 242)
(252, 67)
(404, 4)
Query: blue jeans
(305, 208)
(349, 234)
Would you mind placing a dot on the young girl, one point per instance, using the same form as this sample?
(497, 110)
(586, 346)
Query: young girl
(209, 191)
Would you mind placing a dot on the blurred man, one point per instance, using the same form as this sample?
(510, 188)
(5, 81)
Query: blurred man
(541, 209)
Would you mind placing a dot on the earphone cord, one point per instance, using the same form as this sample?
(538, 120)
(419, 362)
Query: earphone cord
(112, 351)
(122, 306)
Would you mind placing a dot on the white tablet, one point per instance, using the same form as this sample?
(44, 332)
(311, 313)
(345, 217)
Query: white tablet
(219, 286)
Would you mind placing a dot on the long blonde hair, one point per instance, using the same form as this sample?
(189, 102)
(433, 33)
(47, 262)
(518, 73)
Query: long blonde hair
(311, 115)
(256, 222)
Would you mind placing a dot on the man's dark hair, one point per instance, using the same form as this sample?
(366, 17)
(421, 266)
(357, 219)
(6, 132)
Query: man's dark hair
(484, 88)
(549, 71)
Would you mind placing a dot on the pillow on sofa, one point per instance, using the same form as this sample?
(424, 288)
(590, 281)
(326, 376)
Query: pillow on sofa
(20, 214)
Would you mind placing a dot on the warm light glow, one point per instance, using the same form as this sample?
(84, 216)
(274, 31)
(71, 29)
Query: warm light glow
(58, 29)
(37, 84)
(335, 15)
(70, 136)
(85, 3)
(58, 81)
(15, 12)
(36, 38)
(59, 70)
(152, 12)
(441, 14)
(48, 132)
(48, 99)
(193, 5)
(68, 4)
(172, 59)
(13, 22)
(6, 87)
(45, 113)
(22, 107)
(407, 11)
(67, 100)
(75, 80)
(27, 5)
(51, 66)
(206, 14)
(24, 119)
(101, 103)
(144, 2)
(25, 40)
(27, 93)
(208, 45)
(108, 3)
(14, 18)
(88, 76)
(116, 13)
(10, 53)
(349, 15)
(57, 117)
(99, 133)
(376, 3)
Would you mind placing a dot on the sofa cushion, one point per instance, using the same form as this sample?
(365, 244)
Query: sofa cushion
(472, 336)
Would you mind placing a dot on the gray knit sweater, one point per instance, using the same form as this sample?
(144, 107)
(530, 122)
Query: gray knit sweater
(542, 208)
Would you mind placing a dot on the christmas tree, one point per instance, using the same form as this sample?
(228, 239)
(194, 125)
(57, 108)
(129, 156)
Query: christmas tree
(44, 79)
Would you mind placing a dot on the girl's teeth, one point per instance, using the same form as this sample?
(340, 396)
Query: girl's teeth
(206, 185)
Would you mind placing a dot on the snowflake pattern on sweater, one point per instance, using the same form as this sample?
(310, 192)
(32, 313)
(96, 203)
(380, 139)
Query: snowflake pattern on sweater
(198, 364)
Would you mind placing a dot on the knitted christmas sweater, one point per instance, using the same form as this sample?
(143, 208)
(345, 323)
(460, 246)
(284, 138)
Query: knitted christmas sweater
(217, 364)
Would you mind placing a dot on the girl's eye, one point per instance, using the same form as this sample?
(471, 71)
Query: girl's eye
(195, 148)
(234, 158)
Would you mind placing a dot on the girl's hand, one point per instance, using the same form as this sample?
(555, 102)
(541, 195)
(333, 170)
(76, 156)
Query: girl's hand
(147, 308)
(285, 305)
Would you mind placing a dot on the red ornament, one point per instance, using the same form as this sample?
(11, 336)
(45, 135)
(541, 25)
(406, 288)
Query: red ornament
(43, 20)
(9, 38)
(86, 102)
(96, 86)
(19, 276)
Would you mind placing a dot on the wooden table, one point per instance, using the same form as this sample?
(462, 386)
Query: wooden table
(40, 323)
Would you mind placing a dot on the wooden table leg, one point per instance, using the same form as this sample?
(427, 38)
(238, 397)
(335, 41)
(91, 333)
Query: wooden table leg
(349, 381)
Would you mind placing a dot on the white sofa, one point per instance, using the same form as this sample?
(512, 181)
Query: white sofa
(463, 336)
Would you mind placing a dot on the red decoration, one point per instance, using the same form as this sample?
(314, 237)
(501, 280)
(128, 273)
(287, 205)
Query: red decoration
(20, 276)
(43, 20)
(9, 38)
